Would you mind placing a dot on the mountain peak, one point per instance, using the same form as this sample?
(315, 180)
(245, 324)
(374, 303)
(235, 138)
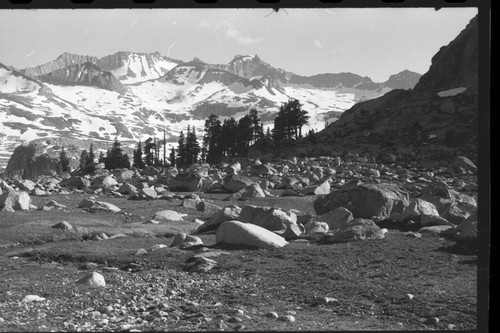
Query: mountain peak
(244, 57)
(198, 60)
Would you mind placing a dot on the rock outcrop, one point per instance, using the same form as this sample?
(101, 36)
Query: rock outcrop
(64, 60)
(30, 161)
(86, 74)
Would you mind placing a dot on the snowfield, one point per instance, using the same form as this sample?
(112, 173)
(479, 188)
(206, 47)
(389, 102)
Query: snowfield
(153, 102)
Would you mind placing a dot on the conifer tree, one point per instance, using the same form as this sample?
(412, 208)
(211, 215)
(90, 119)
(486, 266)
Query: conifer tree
(138, 161)
(102, 157)
(89, 164)
(172, 157)
(181, 151)
(83, 160)
(64, 161)
(212, 139)
(115, 158)
(192, 147)
(164, 148)
(149, 154)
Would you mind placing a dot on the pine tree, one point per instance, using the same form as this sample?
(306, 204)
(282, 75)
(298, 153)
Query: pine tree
(115, 158)
(172, 157)
(64, 161)
(181, 151)
(192, 147)
(212, 139)
(244, 135)
(83, 160)
(149, 155)
(89, 164)
(164, 148)
(138, 161)
(102, 157)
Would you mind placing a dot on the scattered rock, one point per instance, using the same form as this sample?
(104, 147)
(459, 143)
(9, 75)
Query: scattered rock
(32, 298)
(62, 225)
(356, 230)
(365, 201)
(93, 279)
(184, 240)
(227, 213)
(270, 218)
(14, 200)
(234, 183)
(93, 206)
(168, 216)
(199, 264)
(239, 233)
(336, 218)
(185, 183)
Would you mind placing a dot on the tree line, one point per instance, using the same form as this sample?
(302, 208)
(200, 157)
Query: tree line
(229, 137)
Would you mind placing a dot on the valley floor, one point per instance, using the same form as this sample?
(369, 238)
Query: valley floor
(361, 285)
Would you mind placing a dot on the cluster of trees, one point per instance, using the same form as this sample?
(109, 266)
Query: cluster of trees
(229, 137)
(114, 158)
(188, 149)
(289, 122)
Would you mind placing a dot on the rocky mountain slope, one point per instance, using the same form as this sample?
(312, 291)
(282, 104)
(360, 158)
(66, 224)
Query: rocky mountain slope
(435, 121)
(64, 60)
(86, 74)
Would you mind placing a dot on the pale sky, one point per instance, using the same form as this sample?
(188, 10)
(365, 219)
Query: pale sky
(373, 42)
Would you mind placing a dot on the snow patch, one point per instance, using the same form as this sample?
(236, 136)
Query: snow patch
(451, 92)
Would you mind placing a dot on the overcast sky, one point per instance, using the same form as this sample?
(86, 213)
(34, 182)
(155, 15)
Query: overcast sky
(369, 42)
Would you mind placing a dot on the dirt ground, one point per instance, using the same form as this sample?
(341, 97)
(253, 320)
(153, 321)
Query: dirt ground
(396, 283)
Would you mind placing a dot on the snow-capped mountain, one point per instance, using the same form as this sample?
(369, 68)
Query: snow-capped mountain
(136, 95)
(131, 67)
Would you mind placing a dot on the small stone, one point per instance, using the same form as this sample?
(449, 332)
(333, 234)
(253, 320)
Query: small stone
(62, 225)
(432, 321)
(287, 318)
(239, 327)
(271, 314)
(234, 320)
(141, 252)
(326, 300)
(157, 247)
(451, 326)
(32, 298)
(409, 297)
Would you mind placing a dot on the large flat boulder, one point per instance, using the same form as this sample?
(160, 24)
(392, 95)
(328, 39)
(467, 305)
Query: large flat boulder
(94, 206)
(239, 233)
(365, 201)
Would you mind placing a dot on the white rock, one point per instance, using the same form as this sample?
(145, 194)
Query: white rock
(32, 298)
(236, 232)
(168, 216)
(157, 247)
(93, 279)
